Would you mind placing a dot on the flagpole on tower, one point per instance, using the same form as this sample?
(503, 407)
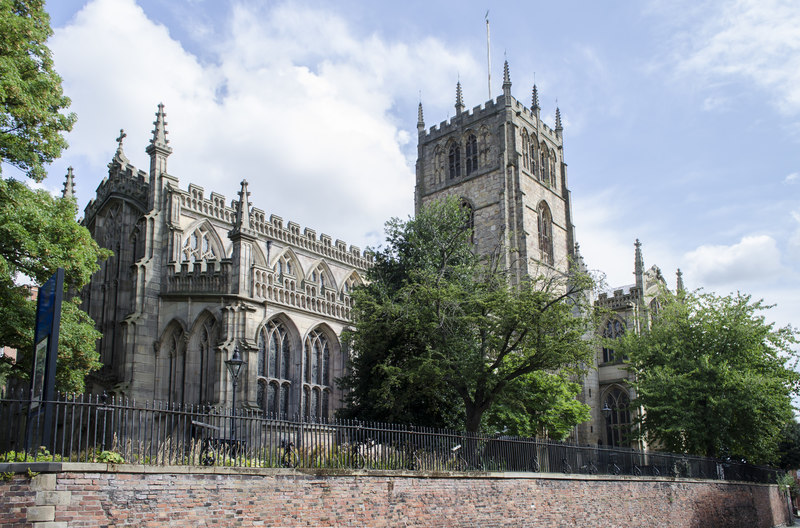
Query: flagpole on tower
(488, 55)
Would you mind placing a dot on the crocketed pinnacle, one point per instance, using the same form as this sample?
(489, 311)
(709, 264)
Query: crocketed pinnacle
(459, 99)
(243, 212)
(535, 99)
(506, 76)
(680, 286)
(420, 119)
(69, 185)
(559, 128)
(160, 131)
(639, 266)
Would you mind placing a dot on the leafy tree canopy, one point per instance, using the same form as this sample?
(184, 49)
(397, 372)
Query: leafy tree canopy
(441, 335)
(713, 376)
(789, 446)
(31, 99)
(38, 233)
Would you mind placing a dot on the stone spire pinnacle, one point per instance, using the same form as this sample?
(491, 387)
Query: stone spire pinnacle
(535, 99)
(420, 119)
(69, 185)
(506, 84)
(459, 99)
(160, 131)
(559, 128)
(680, 288)
(243, 212)
(638, 269)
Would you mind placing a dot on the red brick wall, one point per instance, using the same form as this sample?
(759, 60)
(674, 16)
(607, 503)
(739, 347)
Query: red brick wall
(128, 496)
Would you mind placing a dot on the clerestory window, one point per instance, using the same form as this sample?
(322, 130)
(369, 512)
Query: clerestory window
(472, 154)
(197, 246)
(545, 221)
(454, 158)
(614, 330)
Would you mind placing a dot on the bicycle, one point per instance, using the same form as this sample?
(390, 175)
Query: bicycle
(565, 467)
(589, 469)
(613, 468)
(457, 462)
(289, 457)
(533, 464)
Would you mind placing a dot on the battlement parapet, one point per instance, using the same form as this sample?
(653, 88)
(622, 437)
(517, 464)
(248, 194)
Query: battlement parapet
(273, 227)
(211, 277)
(469, 117)
(124, 180)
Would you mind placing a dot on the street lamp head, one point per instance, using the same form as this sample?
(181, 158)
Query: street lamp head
(606, 410)
(235, 364)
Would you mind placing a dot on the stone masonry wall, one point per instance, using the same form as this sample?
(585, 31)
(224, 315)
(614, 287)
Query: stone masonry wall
(92, 495)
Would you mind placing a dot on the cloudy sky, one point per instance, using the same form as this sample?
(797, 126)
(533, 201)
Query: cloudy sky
(681, 119)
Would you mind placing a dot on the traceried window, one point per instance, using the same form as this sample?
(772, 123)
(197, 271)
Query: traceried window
(208, 364)
(544, 166)
(545, 221)
(351, 282)
(317, 380)
(469, 219)
(534, 162)
(552, 170)
(454, 161)
(472, 154)
(525, 150)
(616, 408)
(285, 266)
(197, 246)
(274, 366)
(614, 330)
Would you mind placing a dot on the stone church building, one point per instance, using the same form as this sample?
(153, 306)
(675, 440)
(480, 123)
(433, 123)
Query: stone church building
(195, 276)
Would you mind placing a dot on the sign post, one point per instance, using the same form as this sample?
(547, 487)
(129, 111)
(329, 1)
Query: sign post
(45, 355)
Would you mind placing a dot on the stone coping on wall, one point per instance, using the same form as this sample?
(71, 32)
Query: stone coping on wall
(96, 467)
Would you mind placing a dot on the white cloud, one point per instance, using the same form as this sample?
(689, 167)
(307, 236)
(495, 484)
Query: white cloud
(791, 178)
(294, 102)
(752, 259)
(754, 40)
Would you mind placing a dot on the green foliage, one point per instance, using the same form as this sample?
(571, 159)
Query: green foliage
(109, 457)
(441, 335)
(31, 97)
(713, 377)
(789, 446)
(541, 404)
(38, 234)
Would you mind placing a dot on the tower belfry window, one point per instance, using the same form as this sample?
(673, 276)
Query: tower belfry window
(454, 159)
(472, 154)
(545, 221)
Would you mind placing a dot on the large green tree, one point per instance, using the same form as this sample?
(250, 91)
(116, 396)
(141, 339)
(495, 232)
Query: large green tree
(441, 336)
(31, 98)
(713, 376)
(38, 233)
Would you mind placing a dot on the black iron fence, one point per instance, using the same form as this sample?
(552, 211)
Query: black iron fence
(99, 429)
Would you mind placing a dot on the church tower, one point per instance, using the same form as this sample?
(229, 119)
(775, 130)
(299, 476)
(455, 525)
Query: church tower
(507, 167)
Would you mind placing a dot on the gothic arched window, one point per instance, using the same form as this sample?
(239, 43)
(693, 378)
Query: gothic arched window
(552, 171)
(208, 363)
(469, 219)
(545, 221)
(317, 358)
(454, 159)
(525, 149)
(274, 366)
(543, 165)
(534, 154)
(472, 154)
(613, 330)
(197, 246)
(616, 407)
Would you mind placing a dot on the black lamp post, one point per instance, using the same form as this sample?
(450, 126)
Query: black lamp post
(234, 364)
(607, 413)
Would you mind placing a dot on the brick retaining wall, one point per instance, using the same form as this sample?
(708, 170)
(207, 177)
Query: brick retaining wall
(92, 495)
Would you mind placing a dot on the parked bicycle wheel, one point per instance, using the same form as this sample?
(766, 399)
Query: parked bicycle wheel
(565, 467)
(637, 471)
(533, 465)
(357, 461)
(290, 459)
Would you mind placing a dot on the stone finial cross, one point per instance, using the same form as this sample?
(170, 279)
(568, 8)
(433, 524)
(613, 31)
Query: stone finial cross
(122, 135)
